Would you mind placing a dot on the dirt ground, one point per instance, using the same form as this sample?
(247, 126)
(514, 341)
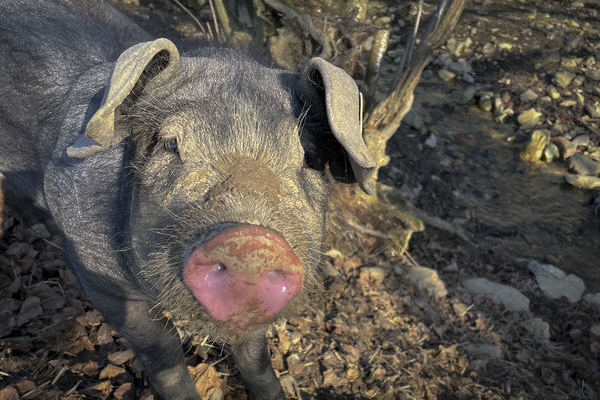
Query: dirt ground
(375, 332)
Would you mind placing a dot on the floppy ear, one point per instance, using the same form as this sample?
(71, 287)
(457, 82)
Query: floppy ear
(156, 61)
(326, 86)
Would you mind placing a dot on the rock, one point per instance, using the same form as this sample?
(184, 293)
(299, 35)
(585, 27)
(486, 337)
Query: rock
(581, 140)
(30, 309)
(528, 95)
(535, 148)
(461, 66)
(553, 93)
(583, 181)
(595, 332)
(590, 61)
(40, 230)
(582, 165)
(554, 283)
(468, 78)
(510, 297)
(593, 74)
(505, 46)
(483, 351)
(426, 279)
(446, 75)
(452, 267)
(485, 102)
(568, 103)
(592, 298)
(468, 94)
(551, 153)
(458, 47)
(431, 141)
(593, 109)
(529, 118)
(567, 148)
(539, 329)
(563, 78)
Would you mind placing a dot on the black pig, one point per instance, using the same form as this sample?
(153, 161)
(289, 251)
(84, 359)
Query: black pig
(191, 186)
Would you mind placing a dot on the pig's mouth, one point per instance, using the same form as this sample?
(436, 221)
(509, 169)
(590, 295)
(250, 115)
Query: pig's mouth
(244, 276)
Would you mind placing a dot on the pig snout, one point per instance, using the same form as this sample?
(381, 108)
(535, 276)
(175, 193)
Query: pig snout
(244, 276)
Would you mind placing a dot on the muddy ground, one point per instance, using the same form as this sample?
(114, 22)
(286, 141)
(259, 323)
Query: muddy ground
(376, 331)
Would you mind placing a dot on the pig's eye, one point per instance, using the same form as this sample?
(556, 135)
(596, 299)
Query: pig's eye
(171, 145)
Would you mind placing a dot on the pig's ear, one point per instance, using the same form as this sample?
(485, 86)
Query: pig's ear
(156, 60)
(326, 86)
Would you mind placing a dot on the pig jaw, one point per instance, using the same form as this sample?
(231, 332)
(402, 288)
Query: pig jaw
(244, 276)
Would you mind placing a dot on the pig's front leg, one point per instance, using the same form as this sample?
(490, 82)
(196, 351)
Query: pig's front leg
(154, 341)
(253, 361)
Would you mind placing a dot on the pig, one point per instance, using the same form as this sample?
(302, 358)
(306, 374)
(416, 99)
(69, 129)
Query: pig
(186, 187)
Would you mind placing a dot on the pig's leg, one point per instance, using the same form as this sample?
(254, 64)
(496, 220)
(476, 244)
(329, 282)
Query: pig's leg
(154, 341)
(253, 361)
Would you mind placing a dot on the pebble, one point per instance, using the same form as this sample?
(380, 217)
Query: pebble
(539, 329)
(485, 102)
(592, 298)
(581, 140)
(553, 93)
(505, 46)
(583, 165)
(567, 148)
(446, 75)
(568, 103)
(431, 141)
(593, 109)
(583, 181)
(425, 279)
(510, 297)
(593, 74)
(554, 283)
(535, 148)
(529, 118)
(528, 95)
(595, 331)
(468, 78)
(468, 94)
(564, 78)
(461, 66)
(551, 153)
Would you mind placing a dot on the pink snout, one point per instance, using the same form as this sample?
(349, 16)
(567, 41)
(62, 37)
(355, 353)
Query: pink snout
(244, 276)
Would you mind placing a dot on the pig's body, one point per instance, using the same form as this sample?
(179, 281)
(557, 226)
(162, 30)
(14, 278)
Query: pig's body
(217, 175)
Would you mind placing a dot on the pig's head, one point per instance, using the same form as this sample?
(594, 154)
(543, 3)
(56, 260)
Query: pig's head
(228, 211)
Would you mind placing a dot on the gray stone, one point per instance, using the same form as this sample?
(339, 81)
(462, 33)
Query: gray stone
(529, 118)
(510, 297)
(583, 165)
(564, 78)
(539, 329)
(595, 331)
(554, 283)
(593, 74)
(583, 181)
(593, 109)
(431, 141)
(468, 94)
(528, 95)
(592, 298)
(581, 140)
(551, 153)
(483, 351)
(461, 66)
(425, 279)
(468, 78)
